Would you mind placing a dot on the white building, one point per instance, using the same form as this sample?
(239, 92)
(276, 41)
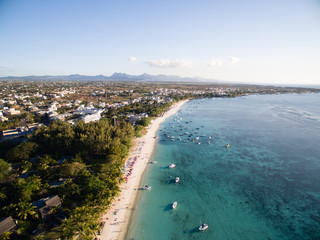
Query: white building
(92, 117)
(12, 112)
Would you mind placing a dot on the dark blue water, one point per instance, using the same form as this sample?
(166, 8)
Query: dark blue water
(266, 185)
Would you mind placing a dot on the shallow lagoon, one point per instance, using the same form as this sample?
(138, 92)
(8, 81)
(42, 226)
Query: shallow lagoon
(266, 185)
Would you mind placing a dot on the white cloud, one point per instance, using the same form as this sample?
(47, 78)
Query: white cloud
(233, 60)
(167, 63)
(218, 62)
(132, 59)
(215, 62)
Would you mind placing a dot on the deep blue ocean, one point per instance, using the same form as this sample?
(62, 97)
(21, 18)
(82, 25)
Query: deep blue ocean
(266, 185)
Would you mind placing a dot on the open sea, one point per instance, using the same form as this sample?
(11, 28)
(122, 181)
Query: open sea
(266, 185)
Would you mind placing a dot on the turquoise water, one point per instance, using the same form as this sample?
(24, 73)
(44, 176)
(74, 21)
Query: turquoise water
(266, 185)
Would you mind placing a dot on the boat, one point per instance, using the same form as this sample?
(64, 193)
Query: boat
(174, 205)
(172, 165)
(227, 146)
(146, 187)
(177, 179)
(203, 227)
(153, 162)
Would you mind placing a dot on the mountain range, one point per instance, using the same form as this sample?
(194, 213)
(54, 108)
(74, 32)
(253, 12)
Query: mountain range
(114, 77)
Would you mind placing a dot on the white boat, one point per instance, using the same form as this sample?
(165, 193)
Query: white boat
(146, 187)
(177, 179)
(172, 165)
(203, 227)
(174, 205)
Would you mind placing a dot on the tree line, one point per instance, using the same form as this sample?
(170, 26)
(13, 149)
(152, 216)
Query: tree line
(87, 158)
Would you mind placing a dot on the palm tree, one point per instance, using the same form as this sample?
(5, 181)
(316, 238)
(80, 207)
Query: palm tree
(68, 229)
(83, 223)
(6, 236)
(26, 209)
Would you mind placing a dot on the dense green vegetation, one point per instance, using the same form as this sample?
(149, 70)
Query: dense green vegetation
(153, 110)
(87, 158)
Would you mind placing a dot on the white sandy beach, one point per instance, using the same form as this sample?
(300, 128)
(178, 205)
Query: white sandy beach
(117, 219)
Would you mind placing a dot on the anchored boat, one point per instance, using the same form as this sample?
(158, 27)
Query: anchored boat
(172, 165)
(174, 205)
(203, 227)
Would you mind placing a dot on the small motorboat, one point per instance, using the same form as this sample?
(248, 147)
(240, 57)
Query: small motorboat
(177, 179)
(227, 146)
(146, 187)
(172, 165)
(203, 227)
(174, 205)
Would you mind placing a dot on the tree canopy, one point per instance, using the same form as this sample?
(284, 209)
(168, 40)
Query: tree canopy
(4, 169)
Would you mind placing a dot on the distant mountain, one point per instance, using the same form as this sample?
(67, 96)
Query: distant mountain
(114, 77)
(73, 77)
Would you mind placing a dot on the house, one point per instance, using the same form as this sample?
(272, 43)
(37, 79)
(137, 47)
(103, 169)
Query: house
(19, 132)
(60, 116)
(6, 225)
(45, 207)
(134, 118)
(49, 202)
(12, 112)
(14, 133)
(53, 201)
(3, 118)
(34, 126)
(57, 182)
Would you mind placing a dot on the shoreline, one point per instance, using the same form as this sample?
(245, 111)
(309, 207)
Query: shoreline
(117, 219)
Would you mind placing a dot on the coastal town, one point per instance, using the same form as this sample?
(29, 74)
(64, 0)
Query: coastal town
(66, 147)
(26, 106)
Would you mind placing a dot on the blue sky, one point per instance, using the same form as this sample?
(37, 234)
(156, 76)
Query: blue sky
(239, 41)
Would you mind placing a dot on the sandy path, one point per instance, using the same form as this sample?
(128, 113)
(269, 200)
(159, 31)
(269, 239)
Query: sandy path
(117, 218)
